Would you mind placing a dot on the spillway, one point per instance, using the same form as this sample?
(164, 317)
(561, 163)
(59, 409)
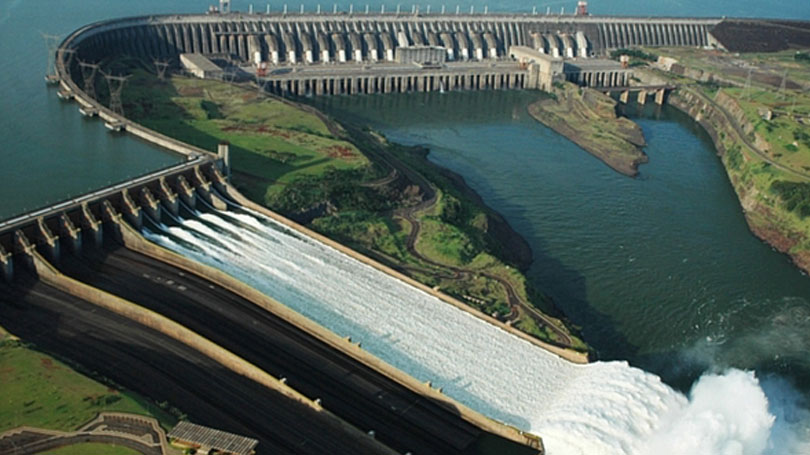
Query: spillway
(601, 408)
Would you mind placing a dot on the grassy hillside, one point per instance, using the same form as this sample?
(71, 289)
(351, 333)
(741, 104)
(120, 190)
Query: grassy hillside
(40, 391)
(272, 143)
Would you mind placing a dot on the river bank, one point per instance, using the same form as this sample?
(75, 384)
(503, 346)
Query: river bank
(760, 136)
(588, 118)
(765, 212)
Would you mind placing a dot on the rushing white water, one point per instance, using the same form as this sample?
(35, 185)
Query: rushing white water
(601, 408)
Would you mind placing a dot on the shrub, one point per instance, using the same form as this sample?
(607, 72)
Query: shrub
(796, 196)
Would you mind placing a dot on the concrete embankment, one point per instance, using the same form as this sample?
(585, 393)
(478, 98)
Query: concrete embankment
(725, 122)
(135, 242)
(50, 275)
(567, 354)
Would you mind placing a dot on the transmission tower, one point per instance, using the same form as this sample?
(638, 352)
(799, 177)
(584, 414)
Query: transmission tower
(52, 43)
(261, 84)
(747, 87)
(89, 71)
(116, 85)
(783, 86)
(67, 56)
(160, 68)
(229, 77)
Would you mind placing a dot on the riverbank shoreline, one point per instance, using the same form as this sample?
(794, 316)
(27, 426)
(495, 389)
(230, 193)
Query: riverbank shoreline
(761, 220)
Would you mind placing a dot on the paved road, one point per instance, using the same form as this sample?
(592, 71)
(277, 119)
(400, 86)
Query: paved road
(164, 370)
(400, 418)
(748, 143)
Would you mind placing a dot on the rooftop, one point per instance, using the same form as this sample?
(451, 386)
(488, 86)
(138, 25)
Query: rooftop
(222, 441)
(200, 62)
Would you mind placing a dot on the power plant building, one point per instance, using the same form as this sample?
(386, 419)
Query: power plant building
(200, 66)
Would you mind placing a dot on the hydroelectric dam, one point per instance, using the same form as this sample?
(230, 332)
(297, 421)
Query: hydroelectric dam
(98, 280)
(378, 52)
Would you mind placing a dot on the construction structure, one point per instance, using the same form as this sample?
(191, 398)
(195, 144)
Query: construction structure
(204, 439)
(161, 66)
(339, 53)
(200, 66)
(116, 87)
(89, 71)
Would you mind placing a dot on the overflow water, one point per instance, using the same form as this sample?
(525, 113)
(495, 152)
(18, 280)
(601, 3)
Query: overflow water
(601, 408)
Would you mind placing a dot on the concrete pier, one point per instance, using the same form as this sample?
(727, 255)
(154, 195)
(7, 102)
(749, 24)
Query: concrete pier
(150, 205)
(131, 210)
(23, 249)
(48, 242)
(91, 226)
(6, 265)
(186, 192)
(70, 233)
(168, 197)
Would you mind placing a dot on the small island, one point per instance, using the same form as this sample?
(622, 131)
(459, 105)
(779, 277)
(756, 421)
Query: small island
(588, 118)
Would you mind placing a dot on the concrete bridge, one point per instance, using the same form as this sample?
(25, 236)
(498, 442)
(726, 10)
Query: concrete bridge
(659, 92)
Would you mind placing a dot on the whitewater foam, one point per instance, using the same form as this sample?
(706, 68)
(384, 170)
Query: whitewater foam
(601, 408)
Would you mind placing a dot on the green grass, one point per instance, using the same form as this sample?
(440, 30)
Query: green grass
(368, 230)
(40, 391)
(445, 243)
(273, 143)
(92, 448)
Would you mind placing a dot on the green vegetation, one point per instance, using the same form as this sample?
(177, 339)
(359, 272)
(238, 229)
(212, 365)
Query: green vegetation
(634, 53)
(795, 196)
(297, 162)
(638, 57)
(273, 144)
(40, 391)
(803, 57)
(367, 231)
(92, 448)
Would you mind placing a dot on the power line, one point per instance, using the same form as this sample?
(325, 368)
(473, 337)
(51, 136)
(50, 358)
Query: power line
(116, 86)
(160, 68)
(89, 71)
(52, 43)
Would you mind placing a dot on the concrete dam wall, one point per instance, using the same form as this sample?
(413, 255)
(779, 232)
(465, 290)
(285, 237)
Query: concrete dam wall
(340, 38)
